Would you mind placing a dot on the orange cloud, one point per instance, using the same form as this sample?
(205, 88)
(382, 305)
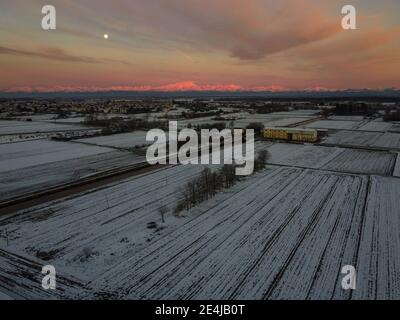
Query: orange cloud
(53, 53)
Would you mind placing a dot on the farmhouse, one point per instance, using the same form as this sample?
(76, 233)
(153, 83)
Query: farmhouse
(291, 134)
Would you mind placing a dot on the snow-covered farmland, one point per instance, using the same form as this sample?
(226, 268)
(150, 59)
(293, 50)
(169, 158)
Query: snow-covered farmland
(330, 158)
(376, 126)
(332, 124)
(37, 117)
(28, 167)
(15, 127)
(4, 297)
(299, 155)
(67, 120)
(48, 135)
(365, 139)
(31, 153)
(388, 140)
(122, 140)
(396, 171)
(352, 138)
(27, 180)
(296, 113)
(378, 261)
(272, 120)
(282, 233)
(283, 122)
(363, 161)
(347, 118)
(395, 128)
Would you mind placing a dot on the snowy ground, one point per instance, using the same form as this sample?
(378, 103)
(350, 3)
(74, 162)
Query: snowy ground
(376, 126)
(284, 122)
(365, 139)
(270, 121)
(363, 161)
(281, 234)
(123, 140)
(395, 128)
(4, 296)
(378, 260)
(12, 138)
(296, 113)
(300, 155)
(32, 166)
(396, 172)
(19, 182)
(332, 124)
(347, 118)
(32, 153)
(331, 158)
(16, 127)
(38, 117)
(67, 120)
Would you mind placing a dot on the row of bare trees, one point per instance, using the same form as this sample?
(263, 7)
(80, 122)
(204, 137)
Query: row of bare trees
(208, 183)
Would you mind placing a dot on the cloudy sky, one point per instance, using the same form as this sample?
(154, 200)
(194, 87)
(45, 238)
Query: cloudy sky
(199, 45)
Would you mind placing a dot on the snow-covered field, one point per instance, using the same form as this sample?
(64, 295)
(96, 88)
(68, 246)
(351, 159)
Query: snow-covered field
(378, 261)
(395, 128)
(299, 155)
(47, 135)
(365, 139)
(331, 158)
(347, 118)
(276, 119)
(363, 161)
(296, 113)
(376, 126)
(396, 171)
(31, 153)
(4, 297)
(30, 179)
(284, 122)
(388, 140)
(283, 233)
(122, 140)
(32, 166)
(332, 124)
(38, 117)
(67, 120)
(16, 127)
(352, 138)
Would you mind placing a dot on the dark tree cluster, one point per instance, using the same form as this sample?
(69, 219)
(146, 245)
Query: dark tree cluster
(208, 183)
(258, 127)
(205, 186)
(392, 115)
(119, 125)
(219, 126)
(353, 108)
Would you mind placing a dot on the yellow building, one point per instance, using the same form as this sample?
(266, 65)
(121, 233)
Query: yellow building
(291, 134)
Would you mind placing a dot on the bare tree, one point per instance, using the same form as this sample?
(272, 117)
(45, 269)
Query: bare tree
(6, 235)
(261, 160)
(163, 211)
